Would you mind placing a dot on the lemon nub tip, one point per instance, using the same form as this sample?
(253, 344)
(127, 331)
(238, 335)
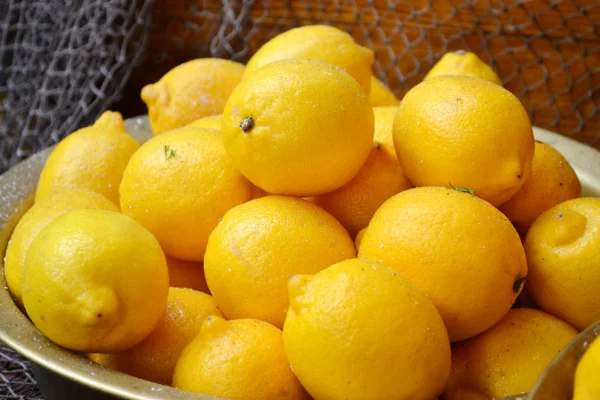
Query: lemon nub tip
(569, 227)
(149, 93)
(102, 307)
(110, 120)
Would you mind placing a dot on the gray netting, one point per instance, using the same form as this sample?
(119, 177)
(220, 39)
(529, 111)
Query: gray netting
(61, 63)
(16, 379)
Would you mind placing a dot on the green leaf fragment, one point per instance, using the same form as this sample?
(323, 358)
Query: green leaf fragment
(463, 189)
(169, 152)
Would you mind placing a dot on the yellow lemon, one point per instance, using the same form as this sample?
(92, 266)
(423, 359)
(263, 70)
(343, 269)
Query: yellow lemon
(359, 238)
(298, 127)
(212, 122)
(466, 132)
(508, 358)
(460, 250)
(187, 274)
(260, 244)
(192, 90)
(379, 179)
(317, 42)
(552, 181)
(34, 220)
(563, 253)
(95, 281)
(463, 63)
(384, 122)
(240, 360)
(587, 386)
(178, 185)
(381, 95)
(155, 357)
(361, 331)
(91, 158)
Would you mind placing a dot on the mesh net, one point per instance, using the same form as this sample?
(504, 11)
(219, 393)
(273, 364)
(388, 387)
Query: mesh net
(62, 62)
(16, 379)
(547, 52)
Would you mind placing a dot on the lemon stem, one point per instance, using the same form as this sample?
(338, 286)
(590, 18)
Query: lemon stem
(518, 284)
(247, 124)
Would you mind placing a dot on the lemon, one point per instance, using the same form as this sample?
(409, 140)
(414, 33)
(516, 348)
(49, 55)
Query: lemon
(384, 123)
(381, 95)
(95, 281)
(552, 181)
(465, 64)
(212, 122)
(466, 132)
(317, 42)
(359, 237)
(587, 386)
(178, 185)
(563, 252)
(260, 244)
(508, 358)
(460, 250)
(34, 220)
(155, 357)
(298, 127)
(241, 360)
(380, 178)
(91, 158)
(360, 331)
(195, 89)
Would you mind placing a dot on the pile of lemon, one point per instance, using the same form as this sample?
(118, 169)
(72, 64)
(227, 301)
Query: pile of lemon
(292, 231)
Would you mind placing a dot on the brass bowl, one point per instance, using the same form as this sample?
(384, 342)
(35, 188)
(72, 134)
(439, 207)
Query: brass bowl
(63, 374)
